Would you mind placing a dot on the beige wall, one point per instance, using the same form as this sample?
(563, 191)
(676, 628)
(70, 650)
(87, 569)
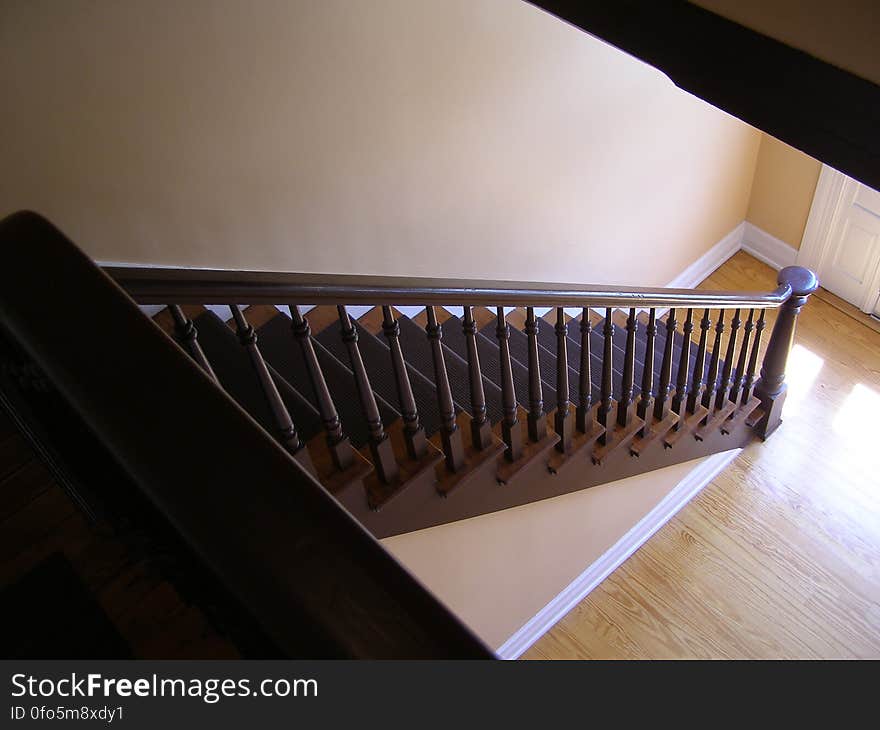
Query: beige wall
(498, 570)
(428, 137)
(782, 191)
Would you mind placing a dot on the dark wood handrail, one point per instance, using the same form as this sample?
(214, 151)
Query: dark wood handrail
(151, 285)
(275, 538)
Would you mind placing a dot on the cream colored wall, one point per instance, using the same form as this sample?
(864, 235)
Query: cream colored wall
(499, 570)
(782, 191)
(436, 137)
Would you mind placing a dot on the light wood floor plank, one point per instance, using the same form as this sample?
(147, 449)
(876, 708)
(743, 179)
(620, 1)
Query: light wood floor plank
(778, 557)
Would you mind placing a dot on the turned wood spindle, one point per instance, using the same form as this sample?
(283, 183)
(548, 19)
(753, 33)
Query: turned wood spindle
(563, 421)
(696, 392)
(712, 379)
(340, 449)
(413, 433)
(627, 383)
(583, 421)
(248, 338)
(680, 399)
(727, 374)
(186, 334)
(645, 408)
(607, 402)
(749, 381)
(379, 442)
(536, 422)
(453, 449)
(510, 428)
(664, 389)
(481, 427)
(739, 377)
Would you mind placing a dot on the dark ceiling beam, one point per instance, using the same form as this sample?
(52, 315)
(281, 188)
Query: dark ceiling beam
(831, 114)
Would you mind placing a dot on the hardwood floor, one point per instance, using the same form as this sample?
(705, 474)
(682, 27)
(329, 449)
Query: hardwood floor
(779, 556)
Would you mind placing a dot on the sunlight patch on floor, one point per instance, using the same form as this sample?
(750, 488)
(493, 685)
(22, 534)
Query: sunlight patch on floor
(857, 417)
(800, 373)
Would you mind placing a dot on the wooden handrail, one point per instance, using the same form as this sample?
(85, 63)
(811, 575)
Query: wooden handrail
(203, 286)
(263, 525)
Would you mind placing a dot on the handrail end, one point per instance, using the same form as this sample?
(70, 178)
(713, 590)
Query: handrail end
(802, 280)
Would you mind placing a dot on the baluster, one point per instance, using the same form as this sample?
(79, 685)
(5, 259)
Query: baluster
(661, 404)
(740, 376)
(563, 421)
(696, 393)
(749, 384)
(453, 448)
(607, 403)
(712, 379)
(287, 431)
(585, 384)
(481, 428)
(771, 388)
(340, 449)
(679, 400)
(727, 374)
(187, 335)
(413, 433)
(510, 429)
(625, 405)
(645, 408)
(380, 444)
(536, 421)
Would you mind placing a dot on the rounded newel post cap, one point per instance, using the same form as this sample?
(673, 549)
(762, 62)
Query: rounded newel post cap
(802, 281)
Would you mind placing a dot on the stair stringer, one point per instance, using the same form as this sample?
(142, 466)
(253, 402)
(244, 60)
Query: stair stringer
(424, 507)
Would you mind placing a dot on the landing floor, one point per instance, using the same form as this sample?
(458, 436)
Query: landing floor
(780, 555)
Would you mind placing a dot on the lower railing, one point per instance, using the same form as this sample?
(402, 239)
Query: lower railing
(255, 519)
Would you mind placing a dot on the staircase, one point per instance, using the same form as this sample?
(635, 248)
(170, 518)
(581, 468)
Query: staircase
(459, 411)
(243, 438)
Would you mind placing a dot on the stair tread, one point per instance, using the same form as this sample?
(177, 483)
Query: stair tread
(281, 350)
(417, 351)
(519, 349)
(377, 359)
(232, 366)
(490, 363)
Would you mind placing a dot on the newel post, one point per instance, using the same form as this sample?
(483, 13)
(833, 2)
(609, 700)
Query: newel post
(771, 388)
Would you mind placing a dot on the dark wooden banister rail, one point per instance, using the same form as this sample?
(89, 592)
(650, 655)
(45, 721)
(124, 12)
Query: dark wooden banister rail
(275, 538)
(201, 286)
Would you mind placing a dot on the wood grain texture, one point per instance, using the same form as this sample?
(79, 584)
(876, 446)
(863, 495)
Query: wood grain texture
(777, 557)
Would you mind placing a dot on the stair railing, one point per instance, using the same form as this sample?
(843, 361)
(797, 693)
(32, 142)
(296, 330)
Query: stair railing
(688, 393)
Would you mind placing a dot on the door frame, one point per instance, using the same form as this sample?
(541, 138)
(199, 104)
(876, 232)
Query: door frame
(831, 190)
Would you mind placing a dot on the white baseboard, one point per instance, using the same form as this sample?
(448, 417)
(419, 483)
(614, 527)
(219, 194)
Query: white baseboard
(581, 586)
(769, 249)
(711, 260)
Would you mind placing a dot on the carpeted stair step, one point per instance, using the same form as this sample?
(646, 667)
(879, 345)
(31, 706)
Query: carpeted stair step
(417, 351)
(377, 359)
(519, 353)
(232, 366)
(281, 350)
(490, 363)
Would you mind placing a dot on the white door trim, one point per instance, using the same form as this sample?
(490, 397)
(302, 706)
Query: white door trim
(832, 190)
(823, 216)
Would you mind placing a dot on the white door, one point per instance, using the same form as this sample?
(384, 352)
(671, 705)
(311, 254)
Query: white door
(846, 255)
